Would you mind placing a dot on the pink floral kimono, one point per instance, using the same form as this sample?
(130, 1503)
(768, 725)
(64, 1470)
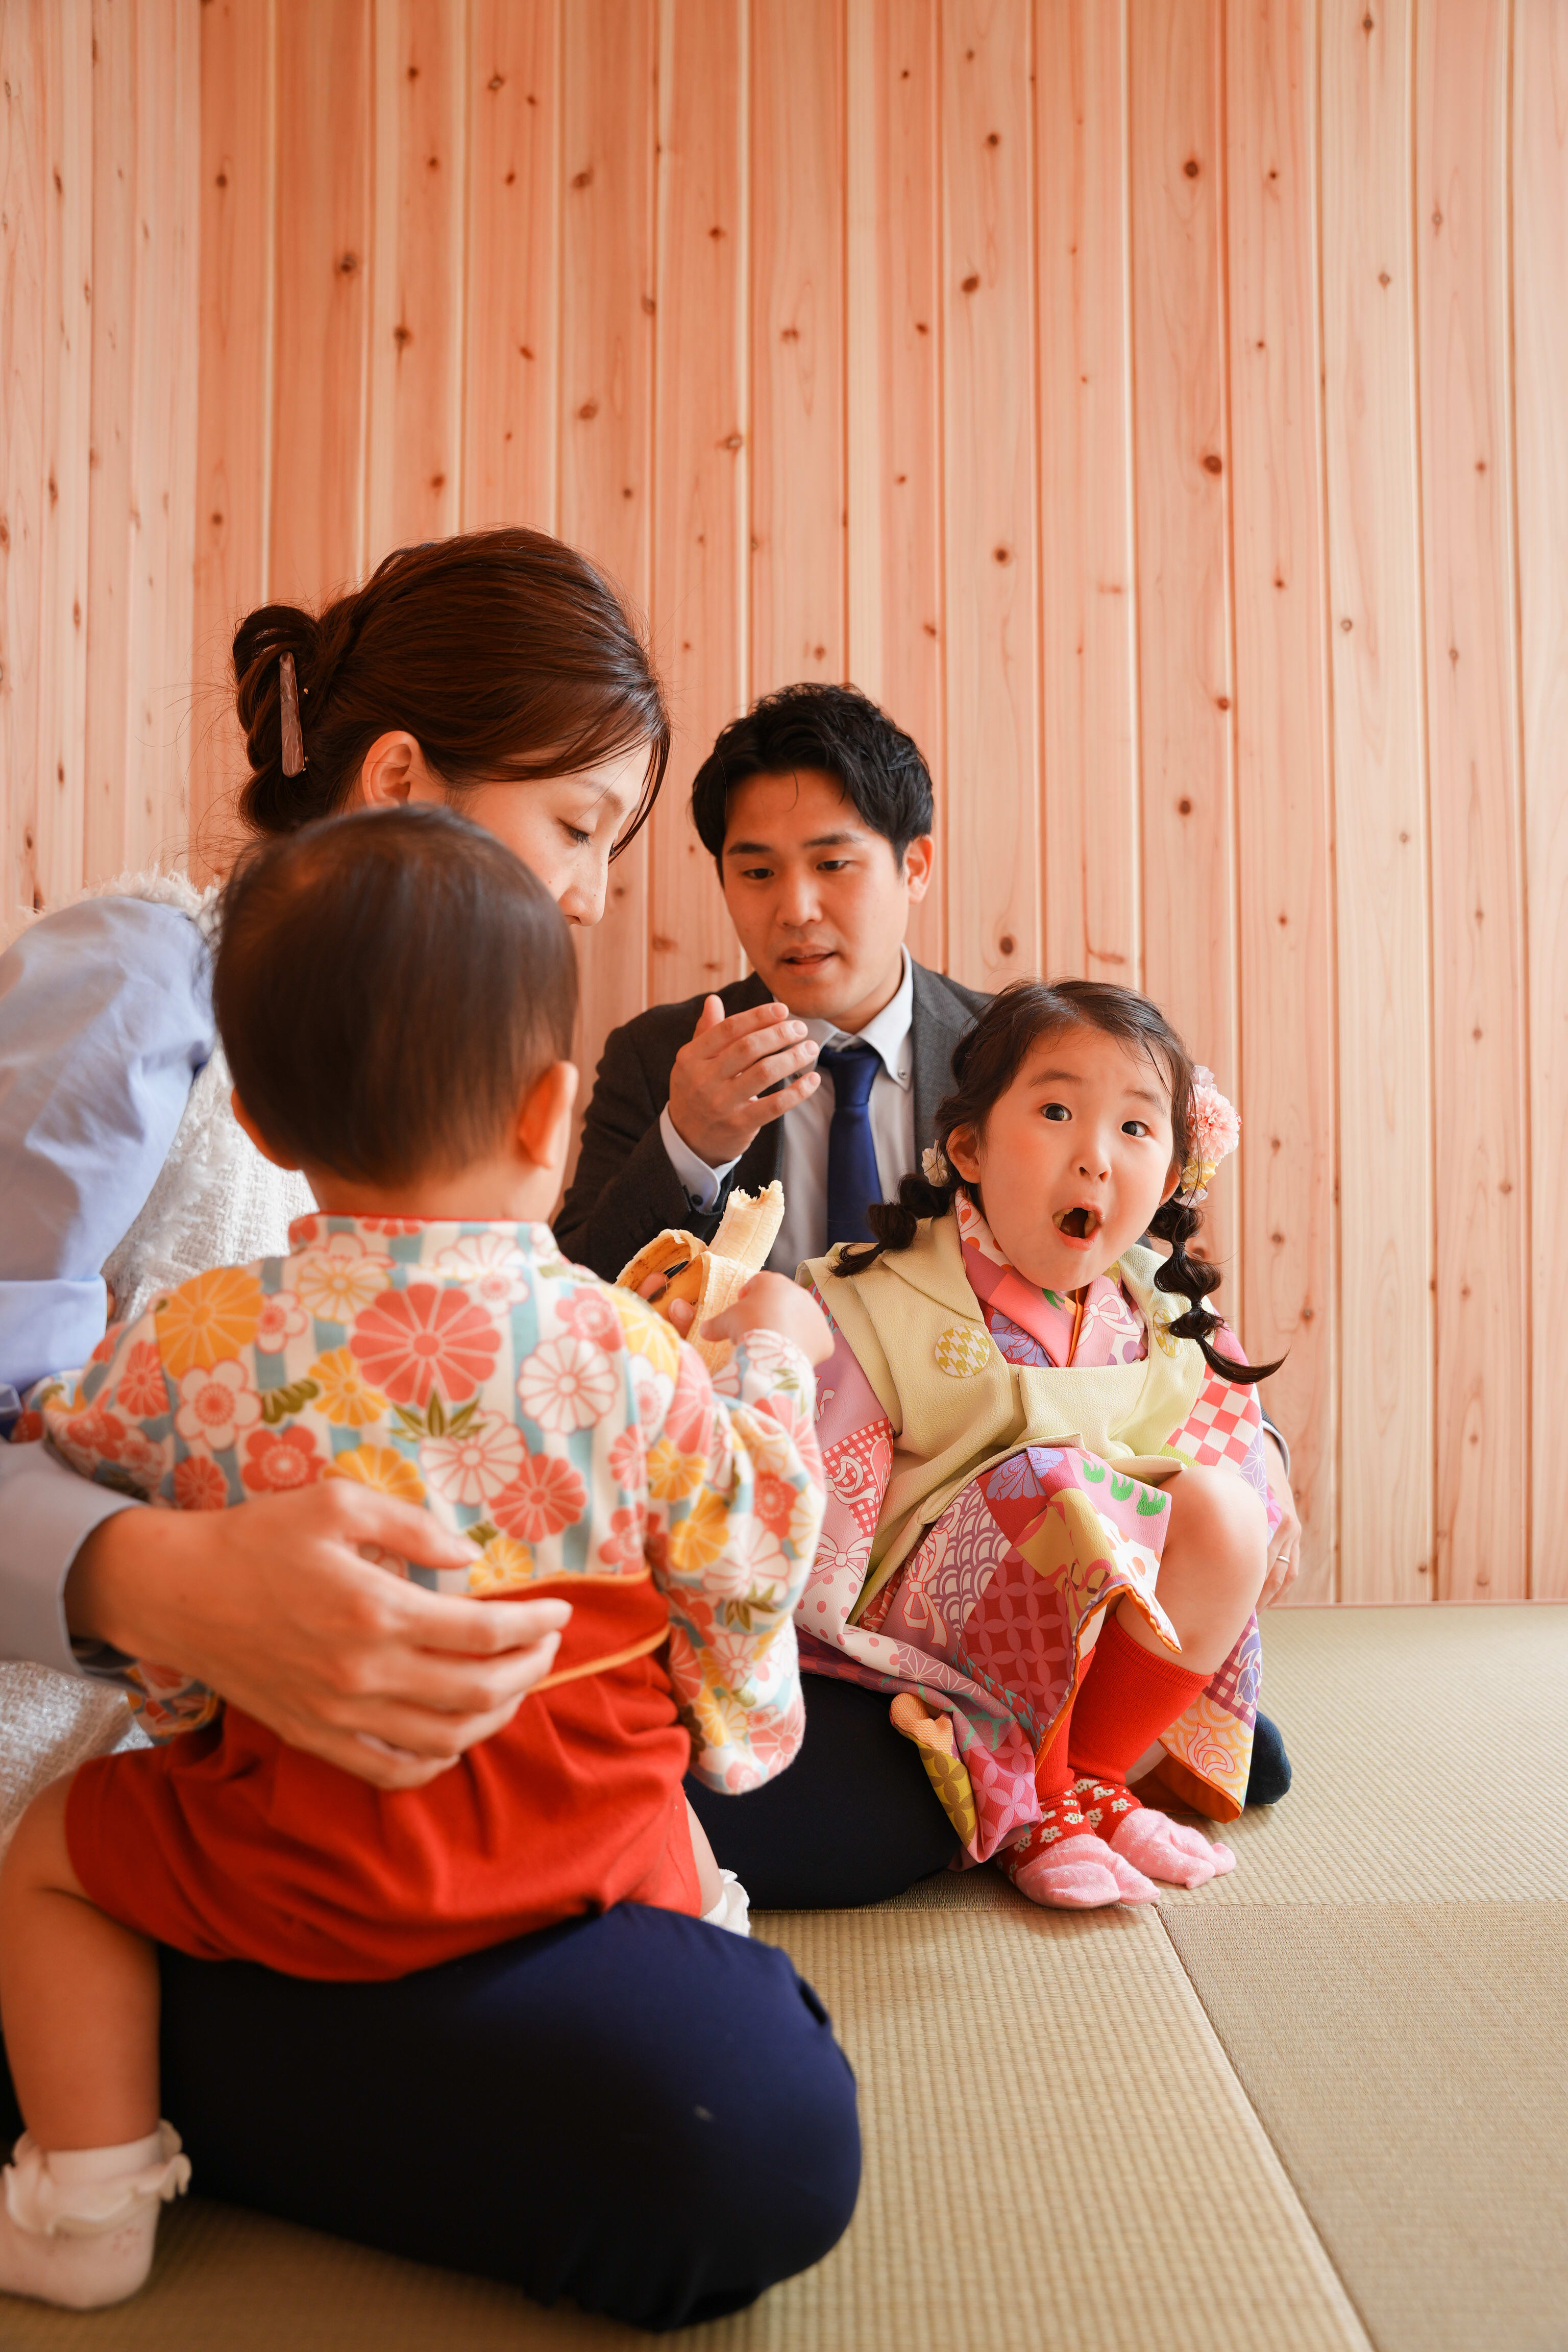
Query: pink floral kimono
(978, 1634)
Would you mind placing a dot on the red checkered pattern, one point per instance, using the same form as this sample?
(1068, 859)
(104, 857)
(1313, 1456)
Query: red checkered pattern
(1222, 1425)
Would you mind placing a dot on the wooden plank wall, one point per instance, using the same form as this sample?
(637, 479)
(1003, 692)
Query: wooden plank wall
(1155, 402)
(99, 352)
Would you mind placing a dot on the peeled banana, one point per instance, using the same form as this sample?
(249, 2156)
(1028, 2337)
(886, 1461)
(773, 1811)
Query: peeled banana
(711, 1275)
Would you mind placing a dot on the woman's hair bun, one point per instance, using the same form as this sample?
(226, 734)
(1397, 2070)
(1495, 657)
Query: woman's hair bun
(274, 803)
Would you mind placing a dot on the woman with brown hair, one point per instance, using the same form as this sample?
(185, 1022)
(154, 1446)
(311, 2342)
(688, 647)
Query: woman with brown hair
(498, 673)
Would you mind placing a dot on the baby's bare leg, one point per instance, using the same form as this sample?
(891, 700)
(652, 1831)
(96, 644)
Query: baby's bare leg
(709, 1886)
(79, 1996)
(1211, 1571)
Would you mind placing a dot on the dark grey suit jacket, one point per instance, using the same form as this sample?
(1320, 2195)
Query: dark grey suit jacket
(625, 1191)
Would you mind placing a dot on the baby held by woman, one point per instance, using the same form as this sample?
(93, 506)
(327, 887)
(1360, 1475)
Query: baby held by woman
(396, 994)
(1048, 1516)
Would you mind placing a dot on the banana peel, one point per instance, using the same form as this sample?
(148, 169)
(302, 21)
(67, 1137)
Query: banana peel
(711, 1275)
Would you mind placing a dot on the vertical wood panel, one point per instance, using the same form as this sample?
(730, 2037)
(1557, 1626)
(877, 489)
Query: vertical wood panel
(607, 317)
(513, 198)
(1540, 315)
(163, 443)
(1282, 786)
(1183, 529)
(66, 277)
(701, 462)
(416, 329)
(1461, 227)
(1383, 945)
(798, 475)
(1088, 634)
(893, 361)
(317, 477)
(990, 494)
(234, 427)
(144, 413)
(23, 205)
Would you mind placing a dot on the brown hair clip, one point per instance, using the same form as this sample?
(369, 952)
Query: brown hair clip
(288, 718)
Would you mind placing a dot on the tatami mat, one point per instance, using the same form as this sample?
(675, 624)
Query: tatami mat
(1327, 2091)
(1410, 2064)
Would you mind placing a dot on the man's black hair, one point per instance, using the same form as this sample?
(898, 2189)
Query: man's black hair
(834, 729)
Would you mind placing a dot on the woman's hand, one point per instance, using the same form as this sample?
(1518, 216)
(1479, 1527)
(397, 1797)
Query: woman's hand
(1285, 1543)
(272, 1606)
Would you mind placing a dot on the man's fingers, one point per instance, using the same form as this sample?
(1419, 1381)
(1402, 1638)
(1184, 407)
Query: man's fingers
(364, 1516)
(780, 1043)
(767, 1106)
(718, 1036)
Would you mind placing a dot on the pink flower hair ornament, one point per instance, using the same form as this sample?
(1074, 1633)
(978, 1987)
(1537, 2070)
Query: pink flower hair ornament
(1216, 1131)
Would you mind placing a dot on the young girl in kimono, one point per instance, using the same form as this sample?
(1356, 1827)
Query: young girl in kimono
(1047, 1510)
(396, 994)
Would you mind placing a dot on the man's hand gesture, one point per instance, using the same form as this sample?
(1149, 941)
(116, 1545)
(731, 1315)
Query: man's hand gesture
(717, 1089)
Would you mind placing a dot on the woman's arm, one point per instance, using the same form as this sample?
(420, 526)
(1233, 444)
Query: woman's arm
(104, 1016)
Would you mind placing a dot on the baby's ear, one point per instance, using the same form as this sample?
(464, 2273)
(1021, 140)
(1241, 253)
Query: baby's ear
(278, 1159)
(1173, 1178)
(545, 1109)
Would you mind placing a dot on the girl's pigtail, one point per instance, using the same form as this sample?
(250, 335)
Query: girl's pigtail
(895, 1222)
(1193, 1278)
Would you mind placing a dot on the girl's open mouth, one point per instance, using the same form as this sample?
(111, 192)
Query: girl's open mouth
(1079, 1224)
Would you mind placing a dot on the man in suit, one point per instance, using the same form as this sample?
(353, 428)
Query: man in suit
(818, 811)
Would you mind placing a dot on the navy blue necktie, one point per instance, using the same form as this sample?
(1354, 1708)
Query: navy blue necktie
(852, 1178)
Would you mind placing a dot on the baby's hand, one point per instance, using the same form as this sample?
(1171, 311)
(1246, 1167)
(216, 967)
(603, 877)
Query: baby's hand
(772, 1302)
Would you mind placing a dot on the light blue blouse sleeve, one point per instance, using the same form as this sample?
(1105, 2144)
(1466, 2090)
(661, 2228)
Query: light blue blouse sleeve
(105, 1019)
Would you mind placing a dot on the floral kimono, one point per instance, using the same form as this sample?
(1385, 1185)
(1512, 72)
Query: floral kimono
(580, 1448)
(996, 1458)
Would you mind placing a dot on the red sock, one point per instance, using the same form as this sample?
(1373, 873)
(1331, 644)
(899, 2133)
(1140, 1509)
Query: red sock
(1128, 1698)
(1052, 1769)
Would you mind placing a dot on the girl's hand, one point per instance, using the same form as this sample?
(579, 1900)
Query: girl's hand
(272, 1606)
(1285, 1543)
(772, 1302)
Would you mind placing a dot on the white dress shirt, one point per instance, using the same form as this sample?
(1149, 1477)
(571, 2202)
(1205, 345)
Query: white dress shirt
(803, 1165)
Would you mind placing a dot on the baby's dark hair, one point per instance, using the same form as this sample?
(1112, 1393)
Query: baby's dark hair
(985, 1065)
(387, 987)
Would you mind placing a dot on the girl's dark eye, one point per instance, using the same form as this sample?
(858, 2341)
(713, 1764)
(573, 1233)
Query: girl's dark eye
(576, 835)
(1055, 1111)
(1135, 1127)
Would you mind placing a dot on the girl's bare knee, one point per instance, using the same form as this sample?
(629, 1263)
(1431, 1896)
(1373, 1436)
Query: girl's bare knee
(1227, 1522)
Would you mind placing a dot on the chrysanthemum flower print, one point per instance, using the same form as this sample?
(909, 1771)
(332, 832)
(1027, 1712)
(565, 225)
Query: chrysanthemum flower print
(200, 1484)
(689, 1419)
(474, 1463)
(546, 1496)
(379, 1466)
(337, 1278)
(698, 1537)
(752, 1555)
(645, 1333)
(141, 1387)
(489, 1265)
(588, 1314)
(347, 1398)
(282, 1318)
(416, 1340)
(503, 1564)
(566, 1384)
(671, 1475)
(216, 1406)
(212, 1317)
(628, 1459)
(622, 1548)
(277, 1460)
(92, 1435)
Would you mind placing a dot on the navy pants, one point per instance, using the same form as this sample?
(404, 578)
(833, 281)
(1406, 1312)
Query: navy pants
(854, 1818)
(636, 2111)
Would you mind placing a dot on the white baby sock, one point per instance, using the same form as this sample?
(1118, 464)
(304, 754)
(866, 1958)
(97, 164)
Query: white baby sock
(731, 1909)
(76, 2224)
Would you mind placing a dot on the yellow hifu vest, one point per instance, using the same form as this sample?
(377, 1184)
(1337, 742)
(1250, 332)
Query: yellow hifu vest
(957, 1405)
